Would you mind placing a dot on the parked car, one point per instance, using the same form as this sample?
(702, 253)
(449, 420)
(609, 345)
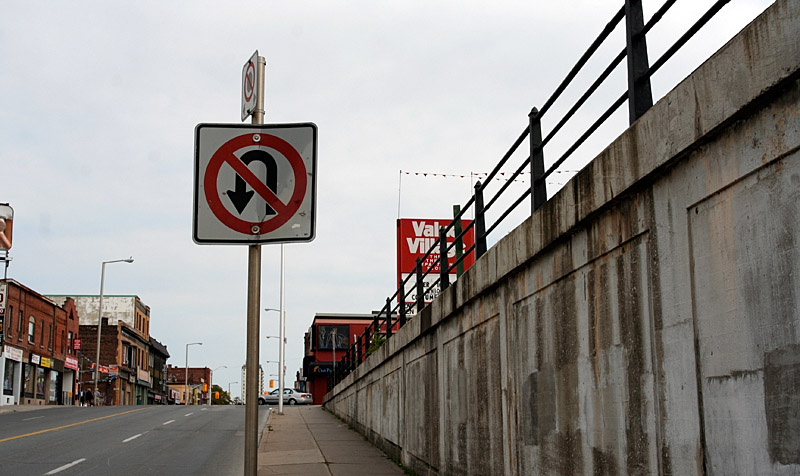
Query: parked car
(290, 396)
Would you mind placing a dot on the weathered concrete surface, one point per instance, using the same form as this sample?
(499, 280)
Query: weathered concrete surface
(644, 321)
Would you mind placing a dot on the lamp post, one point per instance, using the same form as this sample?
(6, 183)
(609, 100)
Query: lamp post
(211, 379)
(100, 318)
(281, 340)
(186, 381)
(229, 391)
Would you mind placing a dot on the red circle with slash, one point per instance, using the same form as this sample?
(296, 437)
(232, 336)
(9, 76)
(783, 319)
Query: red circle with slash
(283, 211)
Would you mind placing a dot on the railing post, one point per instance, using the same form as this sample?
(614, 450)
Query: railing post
(420, 286)
(359, 351)
(402, 299)
(640, 96)
(480, 224)
(388, 318)
(444, 264)
(538, 186)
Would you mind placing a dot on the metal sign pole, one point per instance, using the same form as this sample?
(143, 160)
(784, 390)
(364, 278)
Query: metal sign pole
(253, 307)
(282, 345)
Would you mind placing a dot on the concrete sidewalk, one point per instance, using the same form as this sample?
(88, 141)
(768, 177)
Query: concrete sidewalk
(312, 442)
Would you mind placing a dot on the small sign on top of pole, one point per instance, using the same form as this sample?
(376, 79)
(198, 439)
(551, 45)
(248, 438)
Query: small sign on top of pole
(250, 81)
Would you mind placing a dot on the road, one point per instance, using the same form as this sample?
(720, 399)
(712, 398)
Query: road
(134, 440)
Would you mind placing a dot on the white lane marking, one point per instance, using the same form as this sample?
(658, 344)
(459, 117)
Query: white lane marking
(32, 418)
(66, 466)
(203, 409)
(189, 414)
(167, 422)
(132, 438)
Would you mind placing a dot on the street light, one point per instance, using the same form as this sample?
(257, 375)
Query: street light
(210, 380)
(100, 318)
(281, 339)
(229, 391)
(186, 382)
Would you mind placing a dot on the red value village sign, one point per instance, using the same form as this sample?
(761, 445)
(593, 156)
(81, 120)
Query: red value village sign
(415, 236)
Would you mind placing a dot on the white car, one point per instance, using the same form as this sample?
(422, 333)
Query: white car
(290, 397)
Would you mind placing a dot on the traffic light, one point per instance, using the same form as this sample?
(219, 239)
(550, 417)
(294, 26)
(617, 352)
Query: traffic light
(216, 395)
(205, 387)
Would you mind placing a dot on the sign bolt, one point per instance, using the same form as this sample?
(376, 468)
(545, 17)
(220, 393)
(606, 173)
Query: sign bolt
(255, 229)
(256, 137)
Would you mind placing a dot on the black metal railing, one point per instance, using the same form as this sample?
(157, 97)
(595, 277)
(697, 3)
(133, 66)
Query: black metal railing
(394, 313)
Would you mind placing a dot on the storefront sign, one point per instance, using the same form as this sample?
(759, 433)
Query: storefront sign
(320, 368)
(12, 353)
(143, 375)
(46, 362)
(71, 363)
(35, 359)
(76, 344)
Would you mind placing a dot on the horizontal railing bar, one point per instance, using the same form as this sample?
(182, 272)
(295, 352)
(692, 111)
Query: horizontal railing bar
(603, 76)
(687, 36)
(509, 210)
(583, 60)
(588, 133)
(507, 184)
(657, 17)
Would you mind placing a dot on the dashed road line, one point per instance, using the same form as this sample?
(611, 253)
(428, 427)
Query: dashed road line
(189, 414)
(71, 424)
(66, 466)
(132, 438)
(168, 422)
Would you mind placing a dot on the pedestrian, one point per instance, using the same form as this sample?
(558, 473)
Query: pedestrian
(82, 398)
(89, 399)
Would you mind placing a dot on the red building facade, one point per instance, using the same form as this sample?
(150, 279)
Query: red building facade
(329, 335)
(38, 364)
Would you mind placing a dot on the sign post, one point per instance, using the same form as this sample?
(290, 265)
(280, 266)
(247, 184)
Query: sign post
(253, 310)
(254, 184)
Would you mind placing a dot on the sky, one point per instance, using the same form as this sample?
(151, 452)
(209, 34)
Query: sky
(412, 100)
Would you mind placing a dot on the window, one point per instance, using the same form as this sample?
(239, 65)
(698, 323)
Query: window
(41, 339)
(69, 342)
(10, 322)
(31, 330)
(50, 337)
(19, 325)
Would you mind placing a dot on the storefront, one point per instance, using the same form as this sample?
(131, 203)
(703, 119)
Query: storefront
(69, 380)
(42, 381)
(12, 370)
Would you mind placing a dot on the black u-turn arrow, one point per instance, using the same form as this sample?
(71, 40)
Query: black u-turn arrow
(240, 196)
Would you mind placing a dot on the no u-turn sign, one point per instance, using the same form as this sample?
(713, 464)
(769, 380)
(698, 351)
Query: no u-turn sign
(254, 183)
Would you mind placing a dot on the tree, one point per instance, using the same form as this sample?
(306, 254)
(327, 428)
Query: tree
(219, 396)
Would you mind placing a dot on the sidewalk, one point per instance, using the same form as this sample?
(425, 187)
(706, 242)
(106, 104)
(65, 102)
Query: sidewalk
(310, 441)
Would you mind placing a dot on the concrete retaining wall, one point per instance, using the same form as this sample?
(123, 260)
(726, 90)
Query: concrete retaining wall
(644, 321)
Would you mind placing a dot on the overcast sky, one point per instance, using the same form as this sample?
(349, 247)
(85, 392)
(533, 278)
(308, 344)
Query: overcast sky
(99, 102)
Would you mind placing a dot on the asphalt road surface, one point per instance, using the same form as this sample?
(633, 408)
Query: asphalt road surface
(119, 441)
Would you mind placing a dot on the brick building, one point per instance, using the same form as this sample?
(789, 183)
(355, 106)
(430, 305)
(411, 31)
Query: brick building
(38, 364)
(199, 378)
(124, 376)
(159, 392)
(329, 335)
(125, 361)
